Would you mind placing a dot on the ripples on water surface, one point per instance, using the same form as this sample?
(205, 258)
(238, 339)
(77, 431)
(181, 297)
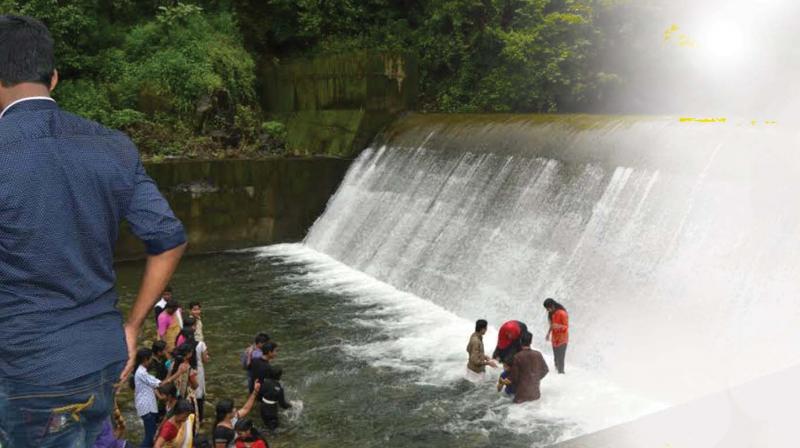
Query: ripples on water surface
(366, 364)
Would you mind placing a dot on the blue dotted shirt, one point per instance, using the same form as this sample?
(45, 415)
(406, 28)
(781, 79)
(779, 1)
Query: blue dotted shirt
(65, 185)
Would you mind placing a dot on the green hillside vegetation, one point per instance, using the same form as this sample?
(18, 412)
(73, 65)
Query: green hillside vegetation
(179, 77)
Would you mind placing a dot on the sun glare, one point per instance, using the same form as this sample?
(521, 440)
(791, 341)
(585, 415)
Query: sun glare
(723, 41)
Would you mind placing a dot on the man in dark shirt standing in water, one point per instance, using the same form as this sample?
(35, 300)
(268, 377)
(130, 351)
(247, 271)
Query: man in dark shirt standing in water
(65, 185)
(527, 372)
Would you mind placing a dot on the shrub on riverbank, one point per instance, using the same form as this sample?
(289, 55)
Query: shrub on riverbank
(180, 82)
(474, 55)
(179, 77)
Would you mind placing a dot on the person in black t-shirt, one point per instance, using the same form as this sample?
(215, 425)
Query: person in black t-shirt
(272, 396)
(260, 367)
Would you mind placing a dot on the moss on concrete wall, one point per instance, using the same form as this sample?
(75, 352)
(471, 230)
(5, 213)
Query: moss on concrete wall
(242, 203)
(334, 105)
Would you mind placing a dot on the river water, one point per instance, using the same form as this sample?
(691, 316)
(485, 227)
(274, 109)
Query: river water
(365, 364)
(673, 245)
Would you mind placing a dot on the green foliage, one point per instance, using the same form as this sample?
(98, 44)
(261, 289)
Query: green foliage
(177, 15)
(178, 77)
(170, 73)
(183, 56)
(475, 55)
(274, 129)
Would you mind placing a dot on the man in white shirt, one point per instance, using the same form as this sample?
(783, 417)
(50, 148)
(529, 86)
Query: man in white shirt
(145, 393)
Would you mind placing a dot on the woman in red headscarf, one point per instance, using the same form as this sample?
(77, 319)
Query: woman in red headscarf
(508, 340)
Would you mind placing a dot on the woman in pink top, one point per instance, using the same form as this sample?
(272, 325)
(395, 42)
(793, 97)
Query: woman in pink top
(165, 319)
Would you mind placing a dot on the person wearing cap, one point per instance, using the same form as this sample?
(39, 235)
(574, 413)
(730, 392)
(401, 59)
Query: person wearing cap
(558, 333)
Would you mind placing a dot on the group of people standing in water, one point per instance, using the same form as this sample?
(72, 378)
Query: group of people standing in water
(170, 386)
(523, 367)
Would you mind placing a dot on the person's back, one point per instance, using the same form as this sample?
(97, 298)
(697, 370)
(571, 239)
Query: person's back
(527, 371)
(65, 185)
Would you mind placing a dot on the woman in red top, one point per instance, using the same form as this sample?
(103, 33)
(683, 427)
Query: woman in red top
(248, 436)
(176, 431)
(558, 333)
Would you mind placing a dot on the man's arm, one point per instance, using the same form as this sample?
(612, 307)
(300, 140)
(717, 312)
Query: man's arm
(476, 357)
(515, 373)
(153, 222)
(543, 369)
(157, 272)
(282, 400)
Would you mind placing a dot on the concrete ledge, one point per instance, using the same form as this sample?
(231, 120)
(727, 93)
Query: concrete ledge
(759, 414)
(231, 204)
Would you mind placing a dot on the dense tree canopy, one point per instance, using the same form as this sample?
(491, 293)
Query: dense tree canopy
(181, 74)
(475, 55)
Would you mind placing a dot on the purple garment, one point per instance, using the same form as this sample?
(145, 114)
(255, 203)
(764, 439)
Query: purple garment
(257, 353)
(106, 438)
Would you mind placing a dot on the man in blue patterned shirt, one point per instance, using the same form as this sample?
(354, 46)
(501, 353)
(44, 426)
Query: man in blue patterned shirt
(65, 185)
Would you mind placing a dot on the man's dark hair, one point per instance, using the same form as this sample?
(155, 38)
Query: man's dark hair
(193, 304)
(269, 347)
(26, 51)
(480, 324)
(527, 338)
(158, 347)
(261, 338)
(172, 304)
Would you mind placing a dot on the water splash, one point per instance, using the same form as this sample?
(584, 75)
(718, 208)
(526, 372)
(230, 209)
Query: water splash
(673, 247)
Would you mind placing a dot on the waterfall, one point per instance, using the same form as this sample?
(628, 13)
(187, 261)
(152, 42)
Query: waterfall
(675, 245)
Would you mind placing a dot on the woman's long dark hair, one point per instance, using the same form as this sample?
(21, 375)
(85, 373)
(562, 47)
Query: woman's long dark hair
(180, 354)
(187, 331)
(556, 306)
(142, 355)
(224, 407)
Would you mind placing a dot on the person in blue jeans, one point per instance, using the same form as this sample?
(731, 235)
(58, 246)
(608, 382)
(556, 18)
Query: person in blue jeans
(66, 184)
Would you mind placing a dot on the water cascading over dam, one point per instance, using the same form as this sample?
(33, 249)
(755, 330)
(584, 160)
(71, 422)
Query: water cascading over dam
(674, 245)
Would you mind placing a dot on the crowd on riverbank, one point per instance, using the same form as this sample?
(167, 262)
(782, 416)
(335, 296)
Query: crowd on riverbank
(169, 385)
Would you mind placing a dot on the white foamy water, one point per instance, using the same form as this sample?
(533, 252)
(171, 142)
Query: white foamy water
(423, 339)
(674, 246)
